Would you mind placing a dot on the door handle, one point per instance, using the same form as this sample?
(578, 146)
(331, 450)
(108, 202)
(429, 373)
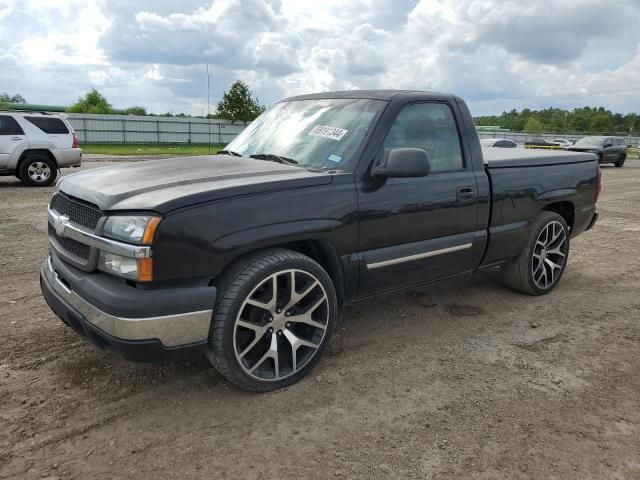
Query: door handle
(16, 138)
(466, 194)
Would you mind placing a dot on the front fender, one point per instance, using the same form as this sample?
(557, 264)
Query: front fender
(277, 234)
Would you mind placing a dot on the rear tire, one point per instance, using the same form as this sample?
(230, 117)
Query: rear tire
(274, 317)
(620, 162)
(541, 264)
(38, 170)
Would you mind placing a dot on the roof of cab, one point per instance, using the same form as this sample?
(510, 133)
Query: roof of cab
(369, 94)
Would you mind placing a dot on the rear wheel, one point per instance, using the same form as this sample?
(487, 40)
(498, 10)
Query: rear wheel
(541, 264)
(620, 161)
(274, 317)
(38, 170)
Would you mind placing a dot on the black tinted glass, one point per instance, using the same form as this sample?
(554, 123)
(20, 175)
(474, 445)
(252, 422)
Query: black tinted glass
(9, 126)
(432, 128)
(49, 125)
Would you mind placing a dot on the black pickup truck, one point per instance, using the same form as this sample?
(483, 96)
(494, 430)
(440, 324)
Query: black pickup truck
(325, 199)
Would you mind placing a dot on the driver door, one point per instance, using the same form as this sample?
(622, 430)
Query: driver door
(414, 230)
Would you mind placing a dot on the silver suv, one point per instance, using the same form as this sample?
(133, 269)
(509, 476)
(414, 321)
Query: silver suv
(35, 145)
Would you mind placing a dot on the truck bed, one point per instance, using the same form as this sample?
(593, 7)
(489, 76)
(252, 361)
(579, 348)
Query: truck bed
(521, 157)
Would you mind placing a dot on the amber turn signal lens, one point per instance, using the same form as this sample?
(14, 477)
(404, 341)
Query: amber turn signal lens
(150, 230)
(145, 269)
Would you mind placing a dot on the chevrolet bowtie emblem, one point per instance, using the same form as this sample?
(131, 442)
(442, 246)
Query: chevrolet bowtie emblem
(59, 224)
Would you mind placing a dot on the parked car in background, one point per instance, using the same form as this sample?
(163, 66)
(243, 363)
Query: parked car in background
(608, 149)
(35, 145)
(323, 200)
(541, 142)
(498, 143)
(563, 142)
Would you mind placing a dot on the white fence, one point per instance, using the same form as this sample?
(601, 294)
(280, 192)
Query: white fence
(92, 128)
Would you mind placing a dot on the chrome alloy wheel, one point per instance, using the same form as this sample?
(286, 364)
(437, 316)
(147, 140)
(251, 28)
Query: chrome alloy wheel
(281, 325)
(549, 255)
(39, 172)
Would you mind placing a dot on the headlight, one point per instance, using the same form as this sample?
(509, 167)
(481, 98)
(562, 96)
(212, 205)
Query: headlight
(137, 269)
(131, 228)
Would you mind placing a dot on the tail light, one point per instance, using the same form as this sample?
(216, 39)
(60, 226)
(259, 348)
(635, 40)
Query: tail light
(76, 141)
(599, 185)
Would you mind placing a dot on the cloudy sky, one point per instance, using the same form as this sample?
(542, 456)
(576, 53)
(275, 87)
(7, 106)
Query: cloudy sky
(497, 54)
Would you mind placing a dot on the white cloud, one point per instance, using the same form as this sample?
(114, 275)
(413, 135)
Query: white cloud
(497, 54)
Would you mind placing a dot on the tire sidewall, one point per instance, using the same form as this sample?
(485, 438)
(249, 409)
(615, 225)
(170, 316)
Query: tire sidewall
(542, 222)
(24, 167)
(226, 317)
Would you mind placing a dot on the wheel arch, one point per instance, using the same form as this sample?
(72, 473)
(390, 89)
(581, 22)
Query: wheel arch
(320, 250)
(565, 209)
(43, 151)
(323, 252)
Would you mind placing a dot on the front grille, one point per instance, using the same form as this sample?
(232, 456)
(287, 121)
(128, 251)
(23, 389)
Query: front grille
(82, 214)
(70, 245)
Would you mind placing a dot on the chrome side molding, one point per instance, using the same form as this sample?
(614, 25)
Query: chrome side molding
(418, 256)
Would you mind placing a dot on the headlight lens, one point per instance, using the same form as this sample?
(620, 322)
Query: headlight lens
(131, 228)
(118, 265)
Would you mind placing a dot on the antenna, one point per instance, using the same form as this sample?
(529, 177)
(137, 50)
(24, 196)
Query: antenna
(208, 111)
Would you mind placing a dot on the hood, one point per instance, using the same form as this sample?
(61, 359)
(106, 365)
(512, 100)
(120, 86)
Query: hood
(167, 184)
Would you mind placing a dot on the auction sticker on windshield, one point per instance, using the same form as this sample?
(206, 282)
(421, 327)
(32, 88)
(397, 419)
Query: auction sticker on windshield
(332, 133)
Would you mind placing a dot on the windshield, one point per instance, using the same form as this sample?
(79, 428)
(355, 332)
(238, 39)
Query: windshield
(318, 133)
(589, 142)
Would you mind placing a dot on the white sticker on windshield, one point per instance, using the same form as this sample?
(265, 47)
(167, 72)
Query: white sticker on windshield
(332, 133)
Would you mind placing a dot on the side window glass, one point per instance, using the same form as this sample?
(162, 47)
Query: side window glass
(9, 126)
(49, 125)
(432, 128)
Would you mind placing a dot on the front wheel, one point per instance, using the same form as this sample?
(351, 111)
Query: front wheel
(38, 170)
(620, 161)
(274, 317)
(541, 264)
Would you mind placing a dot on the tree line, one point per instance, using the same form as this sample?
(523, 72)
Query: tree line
(556, 120)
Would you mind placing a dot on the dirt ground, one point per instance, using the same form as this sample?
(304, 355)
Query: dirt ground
(463, 379)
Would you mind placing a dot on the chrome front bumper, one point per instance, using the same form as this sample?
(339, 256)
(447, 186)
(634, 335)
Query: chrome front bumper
(171, 330)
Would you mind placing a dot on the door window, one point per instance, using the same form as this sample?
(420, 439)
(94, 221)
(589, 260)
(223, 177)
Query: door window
(9, 126)
(432, 128)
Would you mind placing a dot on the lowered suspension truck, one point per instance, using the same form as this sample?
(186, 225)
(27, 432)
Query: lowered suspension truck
(325, 199)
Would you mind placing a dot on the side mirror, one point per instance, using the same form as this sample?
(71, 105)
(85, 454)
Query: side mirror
(403, 163)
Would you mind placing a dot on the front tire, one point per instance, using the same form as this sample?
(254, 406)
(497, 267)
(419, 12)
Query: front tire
(620, 162)
(541, 264)
(274, 317)
(38, 170)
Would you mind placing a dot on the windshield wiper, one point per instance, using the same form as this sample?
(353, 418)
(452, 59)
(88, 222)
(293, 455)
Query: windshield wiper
(229, 152)
(272, 157)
